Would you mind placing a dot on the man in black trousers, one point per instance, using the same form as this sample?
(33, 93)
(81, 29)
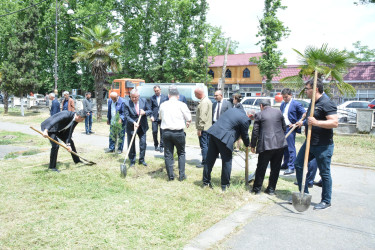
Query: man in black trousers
(232, 124)
(268, 138)
(61, 126)
(156, 101)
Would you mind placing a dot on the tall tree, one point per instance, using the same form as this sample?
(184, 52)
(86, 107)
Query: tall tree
(271, 31)
(100, 48)
(362, 53)
(364, 2)
(331, 64)
(20, 70)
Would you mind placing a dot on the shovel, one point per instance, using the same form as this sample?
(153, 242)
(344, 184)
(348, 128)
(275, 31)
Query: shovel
(302, 201)
(293, 128)
(123, 168)
(87, 162)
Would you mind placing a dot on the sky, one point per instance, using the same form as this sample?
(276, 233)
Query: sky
(339, 23)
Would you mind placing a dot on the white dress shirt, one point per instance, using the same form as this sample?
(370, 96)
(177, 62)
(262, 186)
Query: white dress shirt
(286, 111)
(174, 114)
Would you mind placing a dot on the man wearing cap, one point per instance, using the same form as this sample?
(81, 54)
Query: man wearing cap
(61, 126)
(156, 101)
(174, 115)
(203, 122)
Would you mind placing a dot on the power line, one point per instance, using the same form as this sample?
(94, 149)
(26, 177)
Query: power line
(14, 12)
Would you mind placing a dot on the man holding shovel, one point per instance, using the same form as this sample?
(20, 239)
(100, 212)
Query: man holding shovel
(321, 145)
(61, 125)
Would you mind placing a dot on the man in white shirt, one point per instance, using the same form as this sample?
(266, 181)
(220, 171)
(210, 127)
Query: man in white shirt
(174, 115)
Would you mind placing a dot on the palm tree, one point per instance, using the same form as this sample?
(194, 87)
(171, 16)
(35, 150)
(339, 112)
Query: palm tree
(331, 64)
(100, 48)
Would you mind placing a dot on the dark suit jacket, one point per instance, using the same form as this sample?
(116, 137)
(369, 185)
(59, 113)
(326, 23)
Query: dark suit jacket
(55, 107)
(295, 111)
(59, 121)
(268, 130)
(182, 98)
(131, 115)
(120, 108)
(155, 106)
(232, 124)
(225, 105)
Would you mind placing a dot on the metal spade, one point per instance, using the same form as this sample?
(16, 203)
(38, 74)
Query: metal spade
(123, 167)
(302, 201)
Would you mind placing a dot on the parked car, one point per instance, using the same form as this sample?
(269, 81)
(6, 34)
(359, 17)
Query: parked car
(253, 102)
(371, 105)
(77, 97)
(39, 99)
(347, 112)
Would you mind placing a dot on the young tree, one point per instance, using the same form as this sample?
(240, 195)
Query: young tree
(100, 50)
(20, 70)
(331, 65)
(271, 31)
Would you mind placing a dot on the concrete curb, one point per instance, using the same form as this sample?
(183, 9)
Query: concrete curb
(352, 166)
(225, 227)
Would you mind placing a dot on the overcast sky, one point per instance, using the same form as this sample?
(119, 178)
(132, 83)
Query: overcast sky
(336, 22)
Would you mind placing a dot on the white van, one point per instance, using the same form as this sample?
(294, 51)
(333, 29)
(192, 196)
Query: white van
(252, 103)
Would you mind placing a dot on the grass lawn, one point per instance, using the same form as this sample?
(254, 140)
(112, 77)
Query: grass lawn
(93, 207)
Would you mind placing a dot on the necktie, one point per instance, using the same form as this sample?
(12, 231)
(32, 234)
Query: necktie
(137, 108)
(218, 111)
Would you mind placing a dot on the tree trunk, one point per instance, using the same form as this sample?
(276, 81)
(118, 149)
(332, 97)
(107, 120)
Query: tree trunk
(222, 87)
(6, 103)
(99, 98)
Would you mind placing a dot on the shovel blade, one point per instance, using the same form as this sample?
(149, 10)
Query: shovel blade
(124, 170)
(301, 202)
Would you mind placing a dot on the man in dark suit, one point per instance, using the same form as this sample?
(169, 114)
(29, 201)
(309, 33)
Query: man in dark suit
(61, 126)
(233, 124)
(55, 106)
(136, 107)
(220, 106)
(268, 138)
(116, 105)
(156, 100)
(292, 112)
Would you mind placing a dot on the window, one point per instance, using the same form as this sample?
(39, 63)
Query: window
(246, 73)
(228, 74)
(211, 73)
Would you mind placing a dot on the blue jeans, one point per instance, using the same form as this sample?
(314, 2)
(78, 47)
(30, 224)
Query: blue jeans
(203, 143)
(88, 123)
(311, 173)
(323, 155)
(290, 151)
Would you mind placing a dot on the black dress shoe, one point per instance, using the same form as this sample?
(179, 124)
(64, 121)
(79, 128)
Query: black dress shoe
(182, 178)
(296, 183)
(200, 166)
(171, 179)
(54, 170)
(270, 191)
(161, 149)
(284, 167)
(319, 183)
(288, 172)
(322, 205)
(92, 132)
(143, 163)
(255, 192)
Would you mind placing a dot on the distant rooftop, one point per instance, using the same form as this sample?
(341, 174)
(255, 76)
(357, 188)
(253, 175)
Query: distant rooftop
(233, 60)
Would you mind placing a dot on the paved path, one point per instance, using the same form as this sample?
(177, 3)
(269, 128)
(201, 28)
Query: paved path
(348, 224)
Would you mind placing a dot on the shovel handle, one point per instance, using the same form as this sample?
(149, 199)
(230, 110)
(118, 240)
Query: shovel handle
(293, 128)
(131, 141)
(308, 139)
(247, 166)
(62, 145)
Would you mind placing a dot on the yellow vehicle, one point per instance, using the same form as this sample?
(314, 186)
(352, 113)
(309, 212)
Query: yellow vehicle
(125, 85)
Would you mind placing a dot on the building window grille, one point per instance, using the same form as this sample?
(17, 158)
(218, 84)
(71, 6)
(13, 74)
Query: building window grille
(246, 73)
(228, 74)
